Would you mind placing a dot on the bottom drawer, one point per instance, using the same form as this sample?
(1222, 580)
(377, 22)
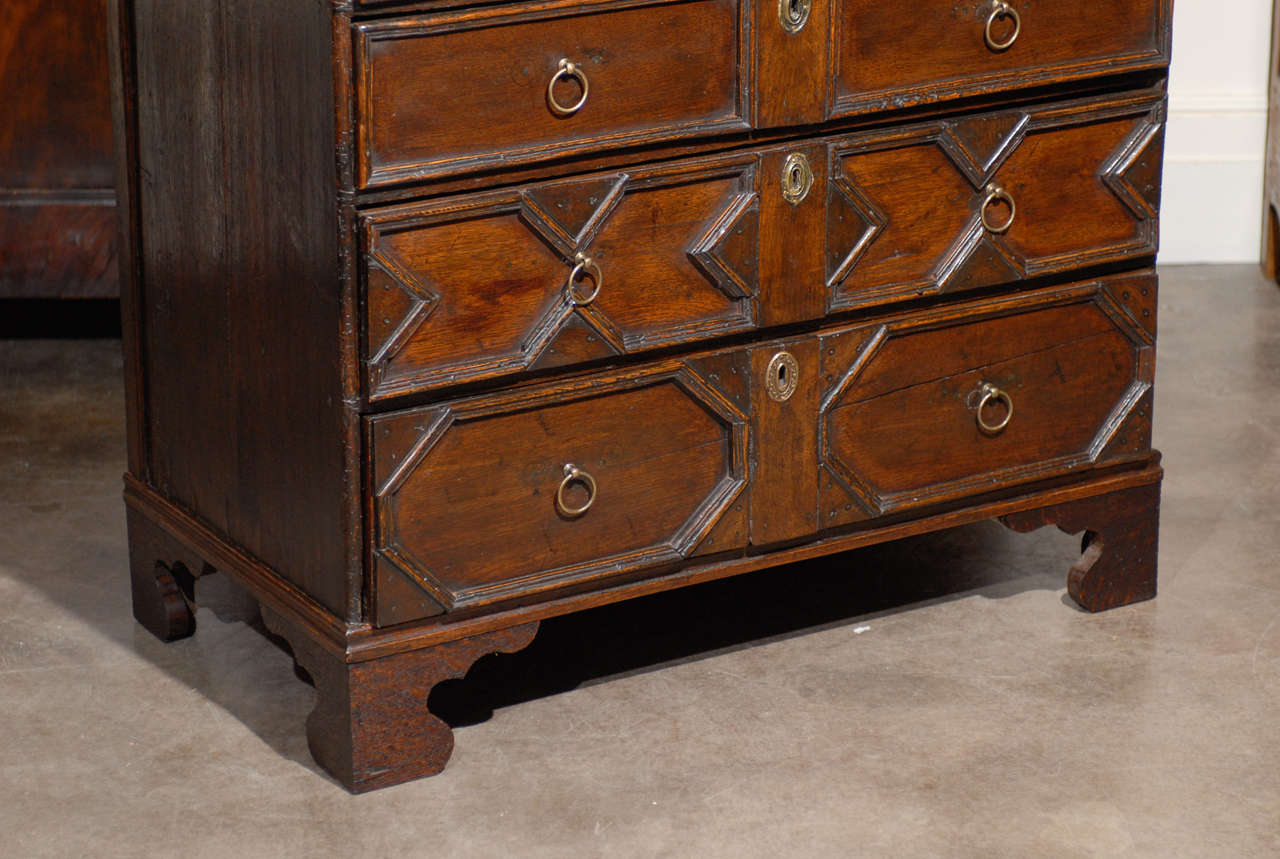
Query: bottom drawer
(517, 492)
(561, 484)
(934, 406)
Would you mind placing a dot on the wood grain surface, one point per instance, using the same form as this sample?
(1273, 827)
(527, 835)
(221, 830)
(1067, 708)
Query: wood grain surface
(1083, 176)
(661, 71)
(939, 51)
(470, 502)
(238, 291)
(359, 362)
(471, 288)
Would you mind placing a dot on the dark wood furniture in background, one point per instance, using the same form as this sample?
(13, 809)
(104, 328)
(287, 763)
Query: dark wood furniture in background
(444, 321)
(57, 203)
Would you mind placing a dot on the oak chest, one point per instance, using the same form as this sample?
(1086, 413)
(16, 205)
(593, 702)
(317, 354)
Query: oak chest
(445, 318)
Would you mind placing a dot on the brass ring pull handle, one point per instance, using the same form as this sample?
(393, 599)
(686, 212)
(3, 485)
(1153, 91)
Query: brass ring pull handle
(990, 392)
(997, 194)
(1000, 10)
(572, 475)
(567, 70)
(585, 266)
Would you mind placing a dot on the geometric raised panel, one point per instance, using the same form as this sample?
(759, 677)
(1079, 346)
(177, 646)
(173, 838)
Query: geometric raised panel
(899, 425)
(567, 213)
(853, 222)
(1074, 206)
(404, 304)
(728, 253)
(1133, 172)
(1085, 178)
(980, 260)
(492, 280)
(979, 145)
(479, 286)
(465, 494)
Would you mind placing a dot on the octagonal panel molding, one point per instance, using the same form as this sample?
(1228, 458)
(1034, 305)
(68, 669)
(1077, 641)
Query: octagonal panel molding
(495, 471)
(898, 429)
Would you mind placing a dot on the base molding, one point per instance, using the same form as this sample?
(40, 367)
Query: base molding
(372, 726)
(1117, 563)
(362, 641)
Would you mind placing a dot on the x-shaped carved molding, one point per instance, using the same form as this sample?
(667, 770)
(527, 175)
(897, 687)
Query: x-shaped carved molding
(569, 218)
(978, 148)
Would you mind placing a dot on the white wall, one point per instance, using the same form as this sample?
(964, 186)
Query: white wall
(1216, 140)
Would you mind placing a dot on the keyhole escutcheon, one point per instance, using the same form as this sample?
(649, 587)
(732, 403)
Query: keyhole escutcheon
(781, 376)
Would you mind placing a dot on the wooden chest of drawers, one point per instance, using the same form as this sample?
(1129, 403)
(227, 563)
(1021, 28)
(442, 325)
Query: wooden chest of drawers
(443, 319)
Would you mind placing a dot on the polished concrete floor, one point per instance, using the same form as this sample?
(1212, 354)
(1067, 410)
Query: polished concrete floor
(936, 697)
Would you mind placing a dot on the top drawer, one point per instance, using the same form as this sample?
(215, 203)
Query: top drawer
(488, 87)
(946, 49)
(482, 88)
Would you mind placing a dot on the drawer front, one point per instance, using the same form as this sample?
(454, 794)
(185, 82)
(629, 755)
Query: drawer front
(560, 485)
(492, 87)
(595, 267)
(560, 273)
(943, 49)
(939, 405)
(976, 201)
(508, 495)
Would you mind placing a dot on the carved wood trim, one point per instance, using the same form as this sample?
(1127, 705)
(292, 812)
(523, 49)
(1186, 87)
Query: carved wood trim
(1132, 405)
(726, 253)
(216, 550)
(369, 643)
(371, 726)
(977, 257)
(678, 546)
(1117, 564)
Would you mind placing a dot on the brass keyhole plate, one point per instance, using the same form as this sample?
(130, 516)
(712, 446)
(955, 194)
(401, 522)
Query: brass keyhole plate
(794, 14)
(782, 376)
(797, 178)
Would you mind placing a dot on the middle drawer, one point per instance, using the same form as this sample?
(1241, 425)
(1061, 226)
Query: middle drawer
(576, 270)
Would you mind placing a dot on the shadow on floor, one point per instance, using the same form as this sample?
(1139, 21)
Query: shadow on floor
(82, 568)
(693, 623)
(639, 635)
(747, 611)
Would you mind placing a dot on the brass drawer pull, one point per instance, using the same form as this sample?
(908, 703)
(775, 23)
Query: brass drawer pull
(572, 475)
(995, 193)
(567, 70)
(794, 14)
(1001, 10)
(990, 392)
(585, 266)
(797, 178)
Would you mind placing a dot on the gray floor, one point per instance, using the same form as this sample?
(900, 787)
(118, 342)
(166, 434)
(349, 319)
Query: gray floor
(934, 697)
